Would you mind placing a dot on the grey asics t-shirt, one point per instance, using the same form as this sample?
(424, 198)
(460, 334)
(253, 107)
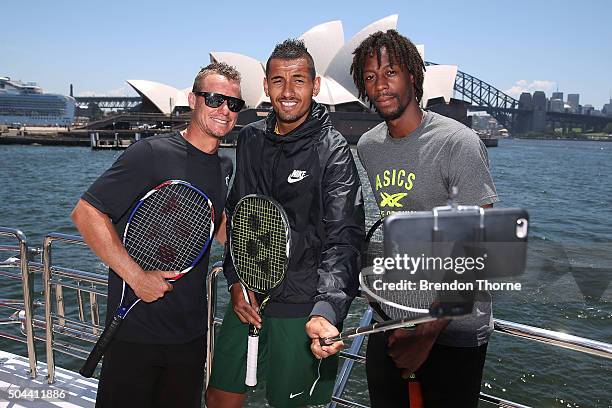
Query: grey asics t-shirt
(416, 173)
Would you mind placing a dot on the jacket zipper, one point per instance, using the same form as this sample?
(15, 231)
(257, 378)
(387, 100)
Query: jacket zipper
(275, 169)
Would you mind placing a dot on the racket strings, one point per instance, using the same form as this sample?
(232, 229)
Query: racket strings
(167, 223)
(259, 241)
(170, 228)
(394, 303)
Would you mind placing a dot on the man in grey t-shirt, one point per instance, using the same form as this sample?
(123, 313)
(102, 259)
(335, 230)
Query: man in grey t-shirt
(413, 159)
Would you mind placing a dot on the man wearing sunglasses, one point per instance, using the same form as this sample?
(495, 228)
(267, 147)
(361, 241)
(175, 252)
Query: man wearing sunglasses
(157, 357)
(214, 100)
(295, 156)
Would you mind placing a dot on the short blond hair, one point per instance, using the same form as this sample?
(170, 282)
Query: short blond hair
(220, 68)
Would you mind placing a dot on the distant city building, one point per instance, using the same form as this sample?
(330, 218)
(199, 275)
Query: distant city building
(523, 124)
(539, 101)
(557, 105)
(557, 95)
(532, 113)
(526, 101)
(607, 109)
(573, 100)
(539, 111)
(587, 109)
(487, 125)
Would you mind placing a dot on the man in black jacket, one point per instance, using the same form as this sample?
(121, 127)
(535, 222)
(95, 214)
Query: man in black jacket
(296, 157)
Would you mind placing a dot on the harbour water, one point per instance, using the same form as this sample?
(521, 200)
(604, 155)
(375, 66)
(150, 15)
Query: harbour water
(565, 185)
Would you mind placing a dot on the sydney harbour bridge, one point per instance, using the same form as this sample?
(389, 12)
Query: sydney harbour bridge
(517, 117)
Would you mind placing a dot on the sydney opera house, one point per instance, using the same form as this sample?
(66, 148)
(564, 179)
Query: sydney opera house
(333, 57)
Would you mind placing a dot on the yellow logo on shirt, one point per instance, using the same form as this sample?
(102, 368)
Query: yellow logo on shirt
(399, 178)
(387, 180)
(392, 200)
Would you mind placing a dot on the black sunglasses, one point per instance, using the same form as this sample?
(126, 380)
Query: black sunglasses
(214, 100)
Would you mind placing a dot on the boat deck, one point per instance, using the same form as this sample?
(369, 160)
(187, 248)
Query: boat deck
(17, 389)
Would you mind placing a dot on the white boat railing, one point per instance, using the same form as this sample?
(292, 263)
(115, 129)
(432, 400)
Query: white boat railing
(27, 290)
(55, 280)
(71, 318)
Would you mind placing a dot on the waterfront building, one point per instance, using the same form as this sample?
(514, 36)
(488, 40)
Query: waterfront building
(589, 110)
(557, 105)
(524, 121)
(607, 109)
(574, 101)
(526, 101)
(557, 95)
(539, 111)
(25, 104)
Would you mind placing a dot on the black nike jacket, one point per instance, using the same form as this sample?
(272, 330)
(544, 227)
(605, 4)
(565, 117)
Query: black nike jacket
(312, 174)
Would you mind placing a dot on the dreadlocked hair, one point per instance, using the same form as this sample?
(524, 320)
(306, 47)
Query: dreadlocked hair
(401, 52)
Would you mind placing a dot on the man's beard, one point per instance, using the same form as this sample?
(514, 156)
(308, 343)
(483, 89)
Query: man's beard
(396, 113)
(287, 118)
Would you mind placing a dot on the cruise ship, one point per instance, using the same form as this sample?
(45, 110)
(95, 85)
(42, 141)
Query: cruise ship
(26, 104)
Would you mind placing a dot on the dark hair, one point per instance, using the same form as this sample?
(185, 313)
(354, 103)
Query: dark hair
(291, 49)
(401, 52)
(220, 68)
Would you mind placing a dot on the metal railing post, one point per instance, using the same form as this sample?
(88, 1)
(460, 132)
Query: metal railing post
(72, 239)
(48, 322)
(347, 366)
(27, 285)
(28, 295)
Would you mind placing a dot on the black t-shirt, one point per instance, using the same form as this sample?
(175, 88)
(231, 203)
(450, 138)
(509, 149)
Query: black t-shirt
(180, 316)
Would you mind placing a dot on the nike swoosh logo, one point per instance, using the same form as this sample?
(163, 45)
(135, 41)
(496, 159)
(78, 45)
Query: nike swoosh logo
(292, 179)
(292, 395)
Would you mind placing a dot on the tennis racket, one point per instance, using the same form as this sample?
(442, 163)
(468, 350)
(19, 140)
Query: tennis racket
(169, 229)
(260, 243)
(394, 309)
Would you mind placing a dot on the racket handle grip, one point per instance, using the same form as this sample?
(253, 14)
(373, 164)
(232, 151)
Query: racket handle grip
(328, 341)
(251, 365)
(100, 348)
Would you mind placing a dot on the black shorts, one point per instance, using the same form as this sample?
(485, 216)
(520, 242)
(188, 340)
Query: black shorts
(152, 375)
(450, 377)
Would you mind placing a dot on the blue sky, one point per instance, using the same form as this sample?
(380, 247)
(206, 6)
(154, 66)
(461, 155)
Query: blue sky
(514, 45)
